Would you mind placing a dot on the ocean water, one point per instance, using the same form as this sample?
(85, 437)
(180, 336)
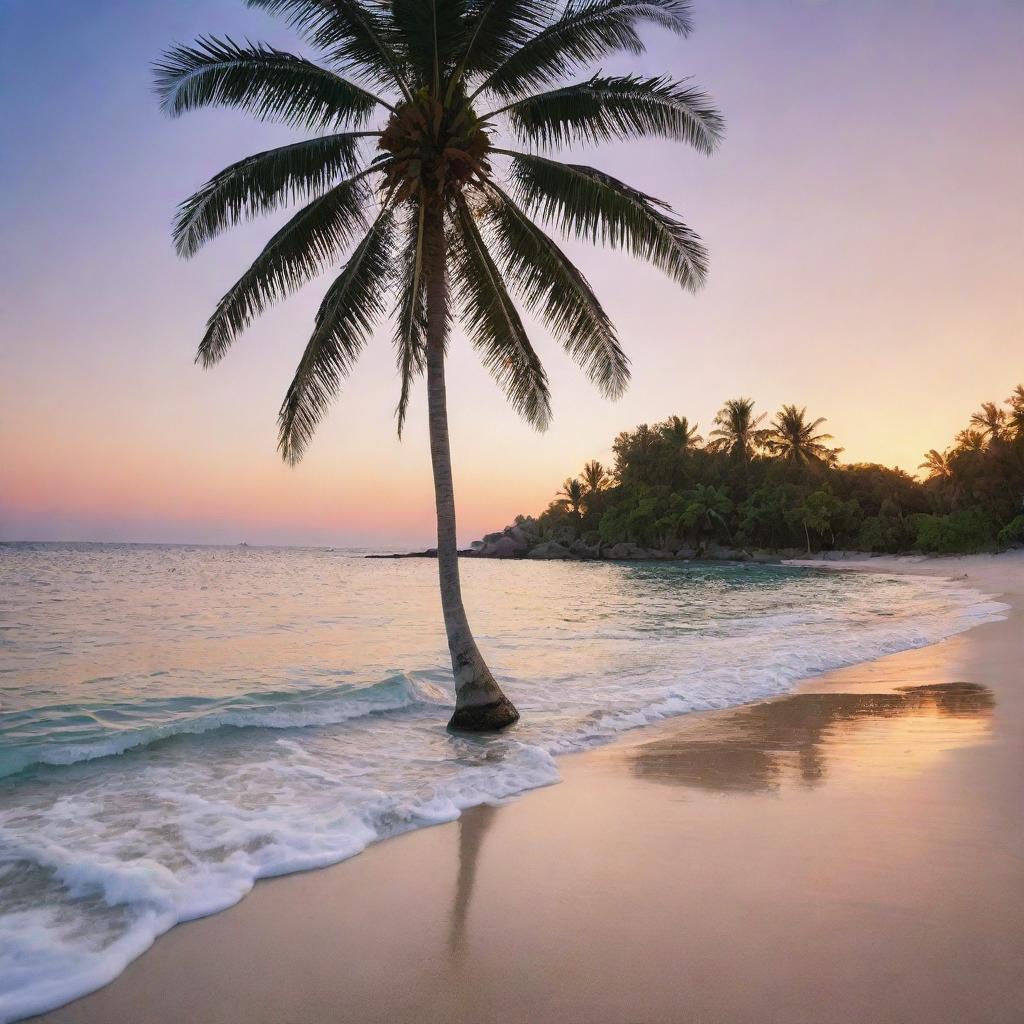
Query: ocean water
(177, 722)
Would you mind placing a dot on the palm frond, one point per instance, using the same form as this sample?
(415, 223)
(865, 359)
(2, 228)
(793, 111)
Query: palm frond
(411, 330)
(296, 253)
(261, 183)
(555, 289)
(271, 84)
(586, 31)
(429, 34)
(590, 204)
(607, 108)
(349, 312)
(355, 35)
(497, 28)
(493, 324)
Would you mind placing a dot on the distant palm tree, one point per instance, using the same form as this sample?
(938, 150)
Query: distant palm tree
(991, 422)
(737, 429)
(595, 477)
(938, 465)
(573, 495)
(970, 441)
(415, 199)
(676, 430)
(706, 507)
(793, 439)
(1016, 404)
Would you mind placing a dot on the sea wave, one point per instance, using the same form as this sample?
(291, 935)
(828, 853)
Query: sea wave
(66, 734)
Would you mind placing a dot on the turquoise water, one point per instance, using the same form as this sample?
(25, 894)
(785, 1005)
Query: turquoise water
(177, 722)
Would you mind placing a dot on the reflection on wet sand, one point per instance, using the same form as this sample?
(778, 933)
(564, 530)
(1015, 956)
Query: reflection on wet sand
(801, 736)
(473, 826)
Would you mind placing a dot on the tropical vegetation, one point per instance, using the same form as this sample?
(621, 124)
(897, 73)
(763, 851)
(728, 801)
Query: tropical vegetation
(406, 172)
(782, 486)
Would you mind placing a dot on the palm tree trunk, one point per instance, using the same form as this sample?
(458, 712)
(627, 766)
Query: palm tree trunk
(479, 703)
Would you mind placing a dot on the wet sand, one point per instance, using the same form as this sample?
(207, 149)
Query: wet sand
(852, 852)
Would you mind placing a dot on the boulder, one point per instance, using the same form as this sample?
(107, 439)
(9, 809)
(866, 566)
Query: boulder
(686, 552)
(521, 536)
(581, 549)
(503, 547)
(622, 550)
(719, 551)
(549, 549)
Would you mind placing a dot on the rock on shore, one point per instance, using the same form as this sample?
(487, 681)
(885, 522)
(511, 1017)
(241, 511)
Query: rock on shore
(525, 539)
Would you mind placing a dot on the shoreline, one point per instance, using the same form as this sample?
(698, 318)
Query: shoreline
(698, 753)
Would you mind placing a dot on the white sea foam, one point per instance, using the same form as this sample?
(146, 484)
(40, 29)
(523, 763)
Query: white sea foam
(162, 764)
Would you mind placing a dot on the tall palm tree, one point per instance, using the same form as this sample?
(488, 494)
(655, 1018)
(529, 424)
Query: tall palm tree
(990, 421)
(401, 173)
(573, 495)
(595, 477)
(676, 430)
(793, 438)
(938, 465)
(1016, 404)
(737, 429)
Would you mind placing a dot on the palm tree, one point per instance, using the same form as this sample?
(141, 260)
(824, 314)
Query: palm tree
(1016, 404)
(970, 441)
(676, 430)
(573, 495)
(793, 439)
(991, 422)
(595, 477)
(706, 506)
(938, 465)
(737, 429)
(405, 106)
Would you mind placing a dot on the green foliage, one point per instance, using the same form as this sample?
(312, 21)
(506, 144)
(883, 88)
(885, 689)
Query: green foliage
(747, 488)
(884, 535)
(956, 532)
(1012, 533)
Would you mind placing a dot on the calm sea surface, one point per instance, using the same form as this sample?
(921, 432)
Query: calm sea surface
(177, 722)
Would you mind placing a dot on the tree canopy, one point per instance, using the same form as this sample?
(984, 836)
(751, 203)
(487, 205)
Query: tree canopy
(783, 486)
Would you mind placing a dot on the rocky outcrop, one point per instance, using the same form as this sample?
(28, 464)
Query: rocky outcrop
(549, 549)
(504, 546)
(622, 551)
(581, 549)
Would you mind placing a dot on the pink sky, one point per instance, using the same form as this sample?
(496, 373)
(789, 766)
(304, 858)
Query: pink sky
(865, 220)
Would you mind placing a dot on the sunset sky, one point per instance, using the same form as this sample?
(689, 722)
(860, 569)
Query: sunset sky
(865, 218)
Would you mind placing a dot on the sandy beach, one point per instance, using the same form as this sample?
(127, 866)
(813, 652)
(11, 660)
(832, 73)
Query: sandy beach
(851, 852)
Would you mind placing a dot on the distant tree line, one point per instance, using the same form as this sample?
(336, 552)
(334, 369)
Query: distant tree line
(780, 484)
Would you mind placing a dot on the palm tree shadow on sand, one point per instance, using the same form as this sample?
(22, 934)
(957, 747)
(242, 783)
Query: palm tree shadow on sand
(755, 748)
(473, 826)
